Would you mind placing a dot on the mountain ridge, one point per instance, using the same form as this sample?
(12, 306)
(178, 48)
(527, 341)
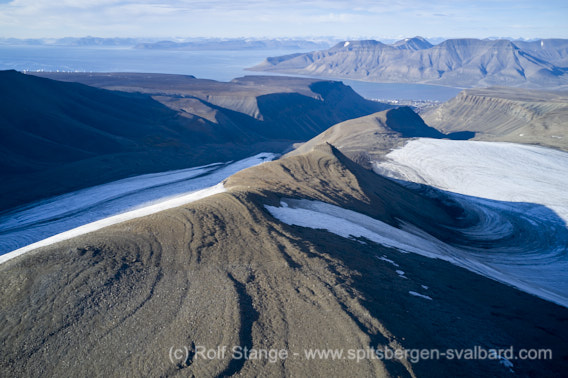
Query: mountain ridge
(370, 138)
(506, 114)
(223, 271)
(465, 62)
(62, 136)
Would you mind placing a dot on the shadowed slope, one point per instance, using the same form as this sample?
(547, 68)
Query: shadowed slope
(58, 136)
(264, 98)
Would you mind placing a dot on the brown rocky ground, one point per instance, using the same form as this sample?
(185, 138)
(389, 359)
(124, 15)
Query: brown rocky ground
(223, 272)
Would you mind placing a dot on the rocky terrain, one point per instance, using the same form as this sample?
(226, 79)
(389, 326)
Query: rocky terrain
(461, 249)
(370, 138)
(454, 62)
(506, 114)
(61, 136)
(223, 272)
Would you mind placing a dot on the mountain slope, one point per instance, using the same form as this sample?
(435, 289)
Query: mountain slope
(506, 114)
(59, 136)
(454, 62)
(369, 138)
(264, 98)
(554, 51)
(224, 272)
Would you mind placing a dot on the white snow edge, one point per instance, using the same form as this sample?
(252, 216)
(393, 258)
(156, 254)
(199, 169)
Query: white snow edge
(138, 213)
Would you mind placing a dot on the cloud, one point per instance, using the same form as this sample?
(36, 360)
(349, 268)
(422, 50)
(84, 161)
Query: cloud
(381, 18)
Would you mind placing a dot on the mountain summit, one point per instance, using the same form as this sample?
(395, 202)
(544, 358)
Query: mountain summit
(416, 43)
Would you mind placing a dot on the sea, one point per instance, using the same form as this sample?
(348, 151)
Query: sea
(220, 65)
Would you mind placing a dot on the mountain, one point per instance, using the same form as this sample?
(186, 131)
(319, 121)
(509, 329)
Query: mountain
(369, 138)
(506, 114)
(151, 296)
(416, 43)
(278, 101)
(61, 136)
(310, 265)
(75, 41)
(454, 62)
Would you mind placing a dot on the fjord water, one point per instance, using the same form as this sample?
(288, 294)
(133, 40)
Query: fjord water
(221, 65)
(216, 65)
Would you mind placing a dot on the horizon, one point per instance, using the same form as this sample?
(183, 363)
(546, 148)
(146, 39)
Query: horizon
(315, 39)
(359, 19)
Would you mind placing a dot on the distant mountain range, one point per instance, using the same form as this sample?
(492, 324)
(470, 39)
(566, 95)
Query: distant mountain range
(179, 43)
(74, 41)
(454, 62)
(237, 44)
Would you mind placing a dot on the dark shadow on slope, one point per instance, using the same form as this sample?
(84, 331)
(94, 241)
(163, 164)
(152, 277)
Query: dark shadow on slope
(248, 316)
(535, 226)
(301, 117)
(57, 137)
(461, 135)
(410, 125)
(466, 310)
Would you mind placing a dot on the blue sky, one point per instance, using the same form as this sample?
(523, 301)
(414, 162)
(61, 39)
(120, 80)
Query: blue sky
(284, 18)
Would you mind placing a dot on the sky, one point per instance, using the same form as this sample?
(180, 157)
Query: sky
(352, 19)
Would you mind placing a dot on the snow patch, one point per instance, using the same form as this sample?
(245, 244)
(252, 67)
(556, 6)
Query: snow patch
(62, 217)
(384, 258)
(346, 44)
(505, 362)
(419, 295)
(348, 223)
(491, 170)
(95, 226)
